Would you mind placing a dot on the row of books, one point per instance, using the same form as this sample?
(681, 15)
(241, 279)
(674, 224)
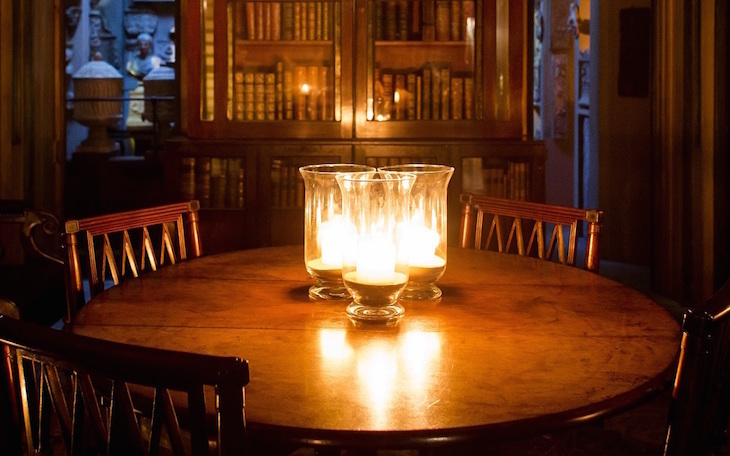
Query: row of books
(215, 182)
(287, 185)
(426, 20)
(500, 178)
(281, 93)
(431, 94)
(296, 20)
(391, 161)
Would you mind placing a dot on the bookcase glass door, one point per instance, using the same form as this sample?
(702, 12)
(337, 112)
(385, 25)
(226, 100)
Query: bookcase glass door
(425, 57)
(284, 61)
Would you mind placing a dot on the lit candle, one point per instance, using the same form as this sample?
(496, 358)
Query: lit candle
(330, 237)
(375, 264)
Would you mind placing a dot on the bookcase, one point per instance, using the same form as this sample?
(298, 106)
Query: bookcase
(272, 85)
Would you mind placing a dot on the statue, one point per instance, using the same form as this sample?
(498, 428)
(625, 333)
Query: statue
(144, 61)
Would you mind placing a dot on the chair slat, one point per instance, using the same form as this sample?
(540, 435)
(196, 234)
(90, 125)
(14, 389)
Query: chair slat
(176, 244)
(560, 222)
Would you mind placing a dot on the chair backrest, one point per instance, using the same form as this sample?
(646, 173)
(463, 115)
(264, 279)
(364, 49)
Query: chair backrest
(698, 415)
(499, 224)
(110, 246)
(97, 393)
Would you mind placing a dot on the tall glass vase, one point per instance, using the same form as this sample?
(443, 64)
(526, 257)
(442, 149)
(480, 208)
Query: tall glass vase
(374, 267)
(425, 235)
(323, 228)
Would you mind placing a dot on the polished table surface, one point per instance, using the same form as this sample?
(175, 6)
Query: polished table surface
(516, 346)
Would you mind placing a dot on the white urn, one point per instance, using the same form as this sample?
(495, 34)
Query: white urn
(98, 89)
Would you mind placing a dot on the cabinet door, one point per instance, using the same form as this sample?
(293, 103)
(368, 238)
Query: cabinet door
(266, 68)
(440, 68)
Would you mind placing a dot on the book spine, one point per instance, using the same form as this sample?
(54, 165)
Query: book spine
(387, 106)
(443, 20)
(217, 182)
(428, 29)
(260, 21)
(259, 96)
(202, 181)
(239, 21)
(270, 96)
(311, 21)
(279, 90)
(415, 20)
(435, 94)
(325, 104)
(276, 21)
(426, 115)
(467, 21)
(250, 20)
(445, 89)
(326, 24)
(419, 99)
(468, 98)
(276, 182)
(378, 21)
(287, 21)
(318, 21)
(391, 21)
(400, 96)
(455, 20)
(457, 96)
(268, 21)
(411, 96)
(248, 96)
(313, 98)
(288, 95)
(297, 19)
(402, 20)
(238, 96)
(233, 166)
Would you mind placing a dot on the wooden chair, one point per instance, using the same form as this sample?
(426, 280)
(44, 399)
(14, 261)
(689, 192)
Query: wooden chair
(84, 387)
(553, 230)
(173, 226)
(698, 415)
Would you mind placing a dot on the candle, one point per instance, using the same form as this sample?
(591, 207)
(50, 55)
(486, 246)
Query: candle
(330, 236)
(420, 245)
(375, 264)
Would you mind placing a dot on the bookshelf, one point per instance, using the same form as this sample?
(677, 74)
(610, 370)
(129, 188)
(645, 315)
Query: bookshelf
(272, 85)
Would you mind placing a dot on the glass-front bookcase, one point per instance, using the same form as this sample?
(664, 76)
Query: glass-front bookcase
(269, 68)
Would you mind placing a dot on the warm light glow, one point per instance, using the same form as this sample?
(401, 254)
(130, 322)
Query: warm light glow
(377, 367)
(420, 243)
(376, 261)
(419, 349)
(331, 238)
(396, 96)
(304, 89)
(333, 345)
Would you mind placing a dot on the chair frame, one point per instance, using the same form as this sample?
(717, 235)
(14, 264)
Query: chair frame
(113, 425)
(183, 215)
(475, 207)
(698, 415)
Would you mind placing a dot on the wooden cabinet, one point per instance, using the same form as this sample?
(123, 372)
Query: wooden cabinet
(272, 85)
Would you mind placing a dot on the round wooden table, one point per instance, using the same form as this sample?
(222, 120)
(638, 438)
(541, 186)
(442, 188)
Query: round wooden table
(516, 347)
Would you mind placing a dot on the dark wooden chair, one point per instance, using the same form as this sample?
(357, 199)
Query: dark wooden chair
(121, 245)
(499, 224)
(87, 388)
(700, 406)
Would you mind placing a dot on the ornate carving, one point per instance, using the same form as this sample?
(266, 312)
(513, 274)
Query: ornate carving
(138, 21)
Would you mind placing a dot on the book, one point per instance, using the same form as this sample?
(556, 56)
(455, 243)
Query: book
(239, 21)
(387, 105)
(426, 94)
(270, 96)
(411, 96)
(279, 90)
(275, 182)
(402, 20)
(391, 21)
(455, 20)
(428, 28)
(435, 94)
(443, 20)
(415, 20)
(248, 96)
(233, 180)
(419, 99)
(297, 19)
(259, 96)
(468, 98)
(275, 21)
(457, 96)
(250, 20)
(287, 21)
(202, 181)
(267, 21)
(260, 19)
(288, 95)
(318, 21)
(445, 92)
(311, 20)
(238, 96)
(325, 102)
(218, 174)
(313, 96)
(326, 21)
(378, 32)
